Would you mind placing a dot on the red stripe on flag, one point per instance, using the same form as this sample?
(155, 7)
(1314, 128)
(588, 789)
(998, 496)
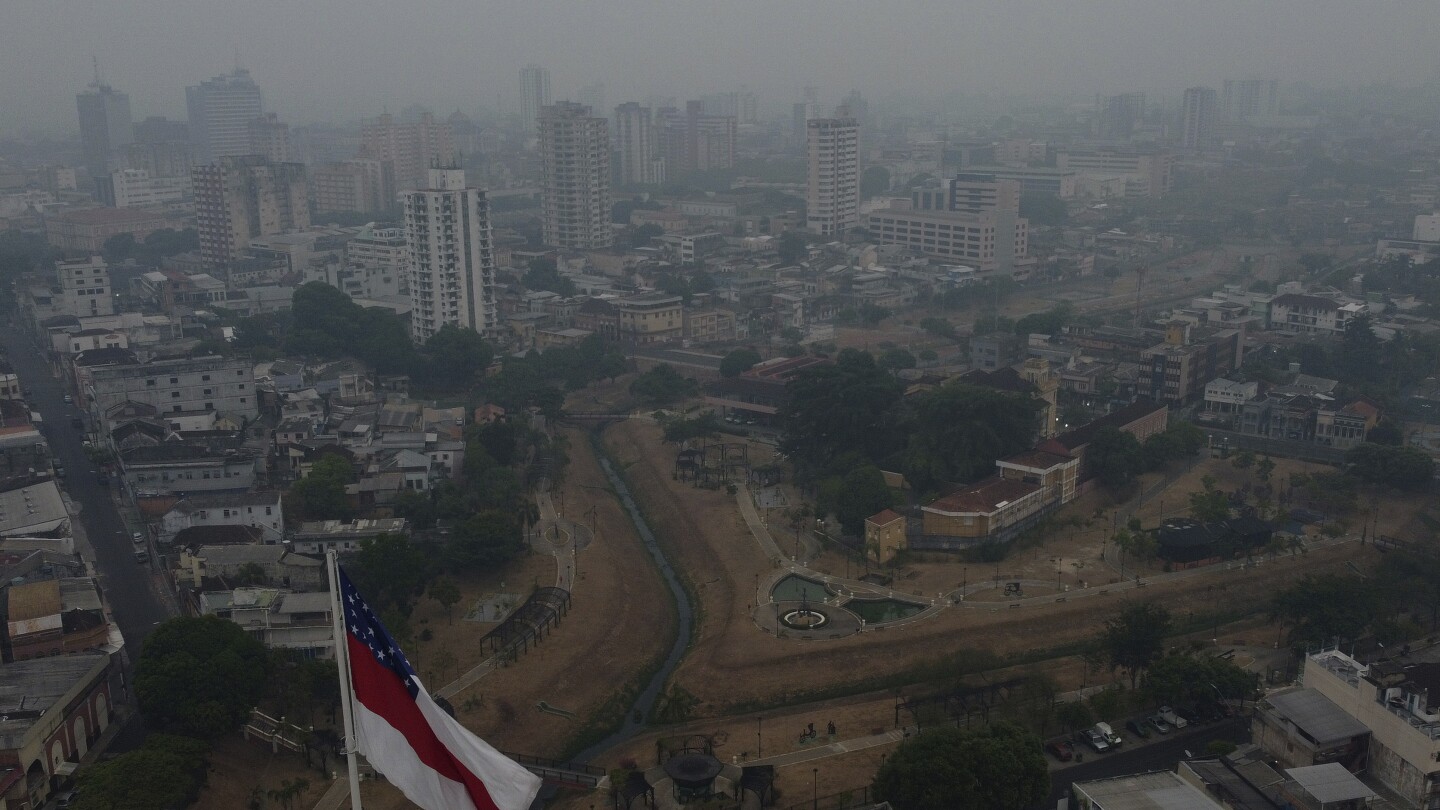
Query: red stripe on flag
(382, 692)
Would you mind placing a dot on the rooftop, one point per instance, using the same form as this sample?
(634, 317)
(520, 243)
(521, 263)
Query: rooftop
(1158, 790)
(29, 689)
(1330, 783)
(1317, 716)
(985, 497)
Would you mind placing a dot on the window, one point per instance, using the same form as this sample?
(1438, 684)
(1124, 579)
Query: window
(174, 394)
(174, 380)
(205, 378)
(150, 383)
(207, 392)
(267, 510)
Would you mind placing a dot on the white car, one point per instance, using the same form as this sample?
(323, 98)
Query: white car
(1172, 718)
(1109, 734)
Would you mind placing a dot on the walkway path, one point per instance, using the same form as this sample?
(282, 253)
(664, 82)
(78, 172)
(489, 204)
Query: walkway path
(571, 537)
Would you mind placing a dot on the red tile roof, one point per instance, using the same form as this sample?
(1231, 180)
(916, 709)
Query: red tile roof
(1039, 459)
(984, 497)
(884, 517)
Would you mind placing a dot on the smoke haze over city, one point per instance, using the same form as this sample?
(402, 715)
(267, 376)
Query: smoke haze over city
(329, 60)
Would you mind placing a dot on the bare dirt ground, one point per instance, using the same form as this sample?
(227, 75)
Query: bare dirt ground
(239, 766)
(733, 665)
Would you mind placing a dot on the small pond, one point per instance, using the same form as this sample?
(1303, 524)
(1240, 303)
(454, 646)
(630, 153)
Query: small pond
(880, 611)
(793, 587)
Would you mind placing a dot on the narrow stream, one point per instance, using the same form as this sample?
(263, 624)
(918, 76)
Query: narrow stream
(683, 609)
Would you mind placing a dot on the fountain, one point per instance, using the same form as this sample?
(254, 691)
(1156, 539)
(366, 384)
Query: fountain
(804, 617)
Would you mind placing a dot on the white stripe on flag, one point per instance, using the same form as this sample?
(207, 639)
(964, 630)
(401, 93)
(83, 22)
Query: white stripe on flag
(510, 785)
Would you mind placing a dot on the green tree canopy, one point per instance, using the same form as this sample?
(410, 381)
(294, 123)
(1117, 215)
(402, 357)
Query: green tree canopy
(1402, 467)
(1202, 680)
(321, 494)
(200, 676)
(849, 406)
(998, 767)
(855, 496)
(959, 430)
(456, 357)
(1048, 322)
(738, 361)
(663, 384)
(167, 771)
(1321, 608)
(897, 359)
(391, 571)
(1136, 637)
(1115, 457)
(543, 275)
(792, 248)
(1043, 209)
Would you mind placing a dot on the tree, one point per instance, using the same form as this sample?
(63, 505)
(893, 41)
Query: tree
(1046, 323)
(683, 430)
(939, 327)
(897, 359)
(543, 275)
(1115, 457)
(167, 771)
(662, 385)
(1135, 637)
(1210, 504)
(641, 236)
(959, 430)
(1074, 715)
(1320, 608)
(792, 248)
(1197, 680)
(857, 495)
(484, 542)
(874, 180)
(1264, 468)
(738, 361)
(848, 406)
(456, 358)
(1043, 209)
(321, 494)
(1387, 432)
(391, 571)
(200, 676)
(1400, 467)
(998, 767)
(447, 593)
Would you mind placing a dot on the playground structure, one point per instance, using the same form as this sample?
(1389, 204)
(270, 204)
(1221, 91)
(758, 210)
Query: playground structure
(957, 705)
(714, 463)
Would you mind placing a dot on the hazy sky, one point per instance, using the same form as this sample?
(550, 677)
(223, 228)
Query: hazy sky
(340, 60)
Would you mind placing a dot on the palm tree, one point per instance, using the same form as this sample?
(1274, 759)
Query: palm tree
(528, 514)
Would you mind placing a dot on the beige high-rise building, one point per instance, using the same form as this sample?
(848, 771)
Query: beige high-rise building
(85, 286)
(452, 259)
(269, 136)
(352, 186)
(575, 177)
(240, 198)
(635, 142)
(832, 195)
(534, 93)
(412, 148)
(220, 113)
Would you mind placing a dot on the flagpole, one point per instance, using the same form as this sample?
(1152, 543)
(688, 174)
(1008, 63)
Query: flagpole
(342, 666)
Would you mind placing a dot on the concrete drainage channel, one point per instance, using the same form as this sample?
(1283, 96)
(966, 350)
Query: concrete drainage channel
(683, 610)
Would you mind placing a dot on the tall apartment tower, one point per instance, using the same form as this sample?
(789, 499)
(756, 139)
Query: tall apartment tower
(635, 141)
(832, 195)
(1244, 98)
(269, 136)
(220, 114)
(1197, 117)
(534, 93)
(105, 126)
(1119, 116)
(575, 177)
(451, 257)
(240, 198)
(411, 149)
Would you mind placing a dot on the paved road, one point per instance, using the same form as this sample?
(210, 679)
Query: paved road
(1160, 755)
(130, 588)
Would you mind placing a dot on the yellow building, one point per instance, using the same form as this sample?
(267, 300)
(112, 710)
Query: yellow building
(651, 318)
(884, 535)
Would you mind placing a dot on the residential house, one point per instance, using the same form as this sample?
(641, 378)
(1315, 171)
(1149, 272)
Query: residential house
(261, 510)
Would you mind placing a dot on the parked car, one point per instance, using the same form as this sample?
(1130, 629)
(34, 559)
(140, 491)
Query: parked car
(1097, 741)
(1138, 728)
(1158, 723)
(1172, 718)
(142, 556)
(69, 400)
(67, 798)
(1109, 734)
(137, 537)
(1189, 715)
(77, 423)
(1061, 750)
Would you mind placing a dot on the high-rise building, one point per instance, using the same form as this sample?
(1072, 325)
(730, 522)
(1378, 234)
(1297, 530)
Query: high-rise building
(269, 136)
(694, 141)
(159, 129)
(352, 186)
(592, 96)
(1244, 98)
(749, 107)
(635, 142)
(240, 198)
(799, 114)
(452, 260)
(221, 110)
(412, 148)
(105, 127)
(534, 93)
(832, 195)
(1119, 116)
(575, 177)
(1197, 117)
(136, 188)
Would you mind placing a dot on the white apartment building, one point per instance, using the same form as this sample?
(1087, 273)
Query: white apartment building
(1311, 314)
(1246, 98)
(987, 241)
(376, 246)
(85, 286)
(575, 177)
(258, 510)
(1198, 114)
(1427, 228)
(635, 141)
(220, 112)
(832, 194)
(353, 186)
(451, 257)
(534, 93)
(410, 148)
(177, 386)
(1146, 174)
(135, 188)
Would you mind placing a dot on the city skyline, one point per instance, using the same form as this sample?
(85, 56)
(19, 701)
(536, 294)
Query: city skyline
(357, 63)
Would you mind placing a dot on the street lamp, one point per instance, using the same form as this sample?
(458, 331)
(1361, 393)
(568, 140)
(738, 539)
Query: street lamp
(759, 741)
(814, 790)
